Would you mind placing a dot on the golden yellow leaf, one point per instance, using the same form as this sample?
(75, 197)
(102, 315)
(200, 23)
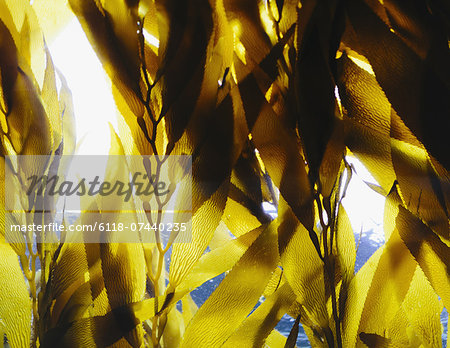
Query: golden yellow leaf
(15, 302)
(258, 325)
(236, 295)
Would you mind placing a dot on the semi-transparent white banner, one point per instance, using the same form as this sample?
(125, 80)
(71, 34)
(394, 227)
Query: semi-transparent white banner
(98, 199)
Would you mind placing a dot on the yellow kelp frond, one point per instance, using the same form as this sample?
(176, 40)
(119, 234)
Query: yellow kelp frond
(430, 252)
(52, 19)
(421, 189)
(15, 303)
(257, 326)
(422, 308)
(204, 221)
(421, 103)
(238, 293)
(219, 260)
(357, 295)
(390, 284)
(302, 266)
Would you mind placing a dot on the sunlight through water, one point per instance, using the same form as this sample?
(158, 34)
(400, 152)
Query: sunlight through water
(94, 105)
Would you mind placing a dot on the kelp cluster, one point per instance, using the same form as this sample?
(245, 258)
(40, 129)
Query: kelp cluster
(268, 97)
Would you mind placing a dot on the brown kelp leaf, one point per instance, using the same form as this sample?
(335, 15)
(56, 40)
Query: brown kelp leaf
(8, 20)
(74, 290)
(241, 214)
(246, 175)
(246, 22)
(374, 340)
(288, 14)
(279, 149)
(268, 63)
(248, 183)
(254, 80)
(185, 30)
(133, 137)
(174, 329)
(8, 69)
(413, 23)
(397, 331)
(106, 279)
(420, 186)
(391, 279)
(293, 334)
(399, 131)
(314, 79)
(276, 280)
(32, 44)
(189, 309)
(97, 331)
(367, 120)
(22, 23)
(29, 132)
(27, 121)
(332, 166)
(239, 219)
(216, 141)
(100, 301)
(214, 151)
(415, 89)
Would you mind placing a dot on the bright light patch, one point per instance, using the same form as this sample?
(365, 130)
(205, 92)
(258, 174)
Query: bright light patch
(364, 207)
(362, 64)
(268, 94)
(94, 105)
(338, 98)
(240, 50)
(270, 209)
(150, 38)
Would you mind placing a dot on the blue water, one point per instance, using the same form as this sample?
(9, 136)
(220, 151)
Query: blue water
(444, 321)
